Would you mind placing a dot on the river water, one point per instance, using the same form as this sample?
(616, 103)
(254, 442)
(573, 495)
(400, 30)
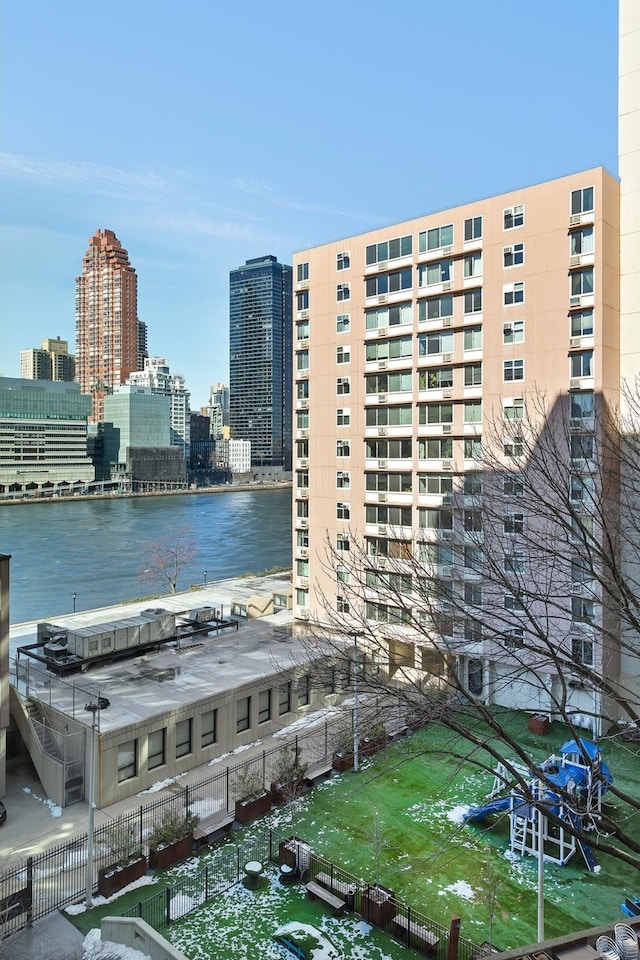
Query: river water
(96, 548)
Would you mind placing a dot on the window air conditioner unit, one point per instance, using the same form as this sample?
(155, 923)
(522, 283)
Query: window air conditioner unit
(304, 553)
(507, 250)
(382, 431)
(382, 398)
(446, 534)
(382, 265)
(303, 493)
(574, 383)
(303, 314)
(447, 321)
(382, 331)
(574, 301)
(447, 394)
(303, 463)
(575, 219)
(575, 261)
(382, 497)
(382, 563)
(303, 581)
(576, 589)
(447, 428)
(382, 298)
(382, 365)
(447, 358)
(447, 250)
(382, 529)
(303, 522)
(382, 464)
(303, 613)
(575, 342)
(447, 464)
(447, 500)
(447, 285)
(303, 433)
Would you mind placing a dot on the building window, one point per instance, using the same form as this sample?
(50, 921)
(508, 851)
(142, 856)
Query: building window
(436, 307)
(472, 484)
(343, 448)
(208, 728)
(472, 558)
(155, 749)
(582, 282)
(302, 538)
(343, 511)
(438, 272)
(243, 714)
(435, 238)
(284, 698)
(302, 360)
(513, 293)
(435, 413)
(397, 315)
(343, 291)
(582, 409)
(431, 344)
(581, 241)
(183, 738)
(302, 272)
(393, 349)
(473, 411)
(514, 562)
(472, 265)
(342, 604)
(514, 216)
(513, 332)
(473, 594)
(473, 338)
(302, 420)
(389, 250)
(472, 630)
(582, 611)
(513, 638)
(513, 446)
(472, 521)
(582, 323)
(514, 523)
(342, 542)
(302, 568)
(343, 354)
(513, 370)
(513, 486)
(343, 386)
(581, 446)
(435, 449)
(513, 256)
(302, 597)
(302, 390)
(473, 301)
(581, 364)
(343, 574)
(264, 706)
(473, 375)
(513, 409)
(582, 650)
(302, 300)
(473, 229)
(389, 282)
(304, 690)
(302, 330)
(512, 603)
(343, 323)
(343, 416)
(127, 760)
(343, 260)
(343, 479)
(582, 200)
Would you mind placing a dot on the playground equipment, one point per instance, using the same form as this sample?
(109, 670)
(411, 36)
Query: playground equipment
(582, 778)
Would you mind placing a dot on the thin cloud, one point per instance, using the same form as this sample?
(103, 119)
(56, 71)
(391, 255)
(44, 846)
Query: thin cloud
(268, 192)
(79, 173)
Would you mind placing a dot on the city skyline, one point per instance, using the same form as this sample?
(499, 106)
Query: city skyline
(196, 175)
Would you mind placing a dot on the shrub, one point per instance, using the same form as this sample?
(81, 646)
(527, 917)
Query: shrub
(173, 826)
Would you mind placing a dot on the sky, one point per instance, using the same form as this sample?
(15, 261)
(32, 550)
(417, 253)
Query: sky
(206, 133)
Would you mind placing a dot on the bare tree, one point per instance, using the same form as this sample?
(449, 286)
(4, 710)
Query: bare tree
(166, 559)
(519, 586)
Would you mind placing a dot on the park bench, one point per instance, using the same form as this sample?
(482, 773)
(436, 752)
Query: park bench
(211, 828)
(317, 771)
(315, 891)
(419, 935)
(337, 886)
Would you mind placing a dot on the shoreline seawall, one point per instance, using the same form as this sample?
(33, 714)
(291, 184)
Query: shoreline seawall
(220, 488)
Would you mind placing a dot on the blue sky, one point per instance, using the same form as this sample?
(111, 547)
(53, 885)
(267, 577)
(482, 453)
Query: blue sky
(206, 133)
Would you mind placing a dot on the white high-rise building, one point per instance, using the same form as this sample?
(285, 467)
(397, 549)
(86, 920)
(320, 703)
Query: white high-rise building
(158, 377)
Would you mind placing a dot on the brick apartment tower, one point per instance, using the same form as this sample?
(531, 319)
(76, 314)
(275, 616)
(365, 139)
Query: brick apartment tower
(107, 329)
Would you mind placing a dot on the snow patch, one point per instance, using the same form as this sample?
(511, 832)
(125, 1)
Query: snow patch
(54, 808)
(95, 948)
(461, 889)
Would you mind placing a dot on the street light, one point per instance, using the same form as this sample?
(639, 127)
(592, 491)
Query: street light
(73, 597)
(93, 707)
(204, 574)
(355, 703)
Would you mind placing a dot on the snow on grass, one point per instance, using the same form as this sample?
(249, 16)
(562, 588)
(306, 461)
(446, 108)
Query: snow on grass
(54, 808)
(75, 908)
(95, 948)
(160, 785)
(460, 888)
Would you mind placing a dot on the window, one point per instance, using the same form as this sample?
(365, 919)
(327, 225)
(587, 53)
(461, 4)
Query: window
(513, 637)
(437, 272)
(155, 749)
(343, 479)
(264, 706)
(302, 538)
(582, 650)
(343, 354)
(473, 338)
(302, 272)
(343, 448)
(389, 250)
(581, 446)
(343, 574)
(513, 256)
(435, 238)
(302, 360)
(343, 511)
(513, 409)
(514, 523)
(343, 291)
(394, 482)
(513, 446)
(581, 241)
(473, 229)
(127, 760)
(473, 411)
(435, 483)
(302, 330)
(302, 568)
(343, 260)
(342, 542)
(436, 307)
(343, 416)
(582, 323)
(473, 265)
(473, 375)
(582, 282)
(432, 518)
(472, 521)
(208, 728)
(473, 301)
(513, 332)
(513, 486)
(343, 386)
(582, 200)
(389, 416)
(512, 603)
(582, 408)
(438, 378)
(394, 516)
(581, 364)
(183, 738)
(302, 300)
(391, 449)
(304, 690)
(514, 216)
(472, 630)
(514, 562)
(582, 611)
(284, 698)
(435, 413)
(342, 604)
(473, 594)
(473, 448)
(389, 282)
(472, 558)
(302, 420)
(343, 323)
(513, 293)
(472, 484)
(243, 714)
(302, 390)
(435, 343)
(435, 449)
(513, 370)
(302, 509)
(582, 490)
(398, 314)
(302, 597)
(393, 349)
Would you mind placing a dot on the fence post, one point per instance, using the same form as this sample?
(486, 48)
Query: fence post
(140, 823)
(454, 938)
(408, 925)
(168, 905)
(186, 799)
(237, 864)
(264, 768)
(326, 739)
(270, 844)
(30, 890)
(227, 780)
(206, 882)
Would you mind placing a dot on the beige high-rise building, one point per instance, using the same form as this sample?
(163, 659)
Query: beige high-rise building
(51, 362)
(108, 335)
(412, 344)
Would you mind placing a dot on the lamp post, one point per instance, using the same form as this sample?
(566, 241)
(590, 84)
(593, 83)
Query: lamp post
(93, 707)
(73, 597)
(355, 703)
(204, 574)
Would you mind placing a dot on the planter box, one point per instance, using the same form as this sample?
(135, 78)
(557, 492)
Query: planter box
(285, 793)
(248, 810)
(378, 905)
(166, 856)
(112, 879)
(539, 725)
(342, 762)
(369, 746)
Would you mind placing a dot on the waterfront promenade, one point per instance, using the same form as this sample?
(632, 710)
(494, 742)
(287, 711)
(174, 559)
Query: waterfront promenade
(58, 497)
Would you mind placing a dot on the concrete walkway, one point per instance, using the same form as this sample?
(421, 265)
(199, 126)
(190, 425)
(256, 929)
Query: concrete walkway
(52, 938)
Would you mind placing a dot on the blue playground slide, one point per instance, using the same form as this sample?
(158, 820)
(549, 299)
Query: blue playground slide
(493, 806)
(585, 849)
